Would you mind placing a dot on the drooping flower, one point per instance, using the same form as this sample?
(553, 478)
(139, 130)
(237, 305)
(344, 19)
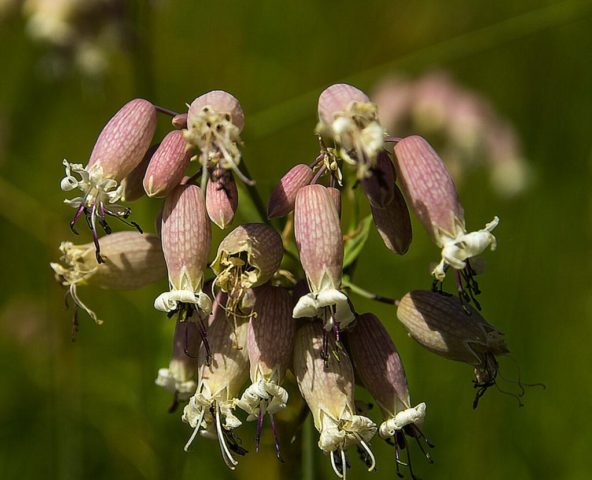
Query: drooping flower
(131, 260)
(446, 326)
(247, 257)
(349, 119)
(186, 237)
(320, 245)
(180, 378)
(211, 410)
(433, 197)
(393, 223)
(119, 149)
(270, 342)
(328, 388)
(283, 197)
(378, 365)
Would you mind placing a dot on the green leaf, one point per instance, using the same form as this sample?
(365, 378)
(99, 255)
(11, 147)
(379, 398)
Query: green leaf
(355, 244)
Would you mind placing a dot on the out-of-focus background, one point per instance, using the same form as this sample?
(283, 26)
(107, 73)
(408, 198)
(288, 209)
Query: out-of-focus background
(503, 89)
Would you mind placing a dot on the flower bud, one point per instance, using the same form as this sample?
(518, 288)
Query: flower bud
(221, 197)
(181, 376)
(219, 381)
(270, 341)
(350, 120)
(379, 186)
(393, 223)
(320, 244)
(247, 257)
(131, 261)
(328, 389)
(444, 325)
(433, 197)
(180, 121)
(133, 184)
(283, 197)
(379, 367)
(167, 165)
(186, 237)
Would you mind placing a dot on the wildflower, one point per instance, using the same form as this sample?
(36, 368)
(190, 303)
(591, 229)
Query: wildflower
(379, 186)
(378, 365)
(444, 325)
(328, 388)
(283, 197)
(270, 342)
(433, 197)
(118, 150)
(350, 121)
(167, 165)
(247, 257)
(214, 123)
(131, 261)
(210, 410)
(320, 245)
(393, 223)
(186, 237)
(180, 378)
(221, 197)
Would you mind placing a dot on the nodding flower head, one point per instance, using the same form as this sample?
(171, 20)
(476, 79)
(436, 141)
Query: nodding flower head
(270, 342)
(247, 257)
(186, 237)
(119, 149)
(283, 197)
(131, 260)
(446, 326)
(434, 199)
(349, 119)
(378, 365)
(220, 379)
(320, 245)
(328, 388)
(180, 378)
(214, 123)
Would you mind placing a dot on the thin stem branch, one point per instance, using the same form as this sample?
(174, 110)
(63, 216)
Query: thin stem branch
(366, 294)
(166, 111)
(254, 194)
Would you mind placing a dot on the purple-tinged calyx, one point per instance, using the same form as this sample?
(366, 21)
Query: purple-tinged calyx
(379, 186)
(211, 410)
(214, 123)
(320, 245)
(131, 260)
(180, 378)
(119, 149)
(393, 223)
(434, 199)
(221, 197)
(283, 197)
(186, 237)
(349, 119)
(328, 389)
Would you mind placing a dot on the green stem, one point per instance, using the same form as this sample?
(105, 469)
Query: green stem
(308, 451)
(254, 194)
(366, 294)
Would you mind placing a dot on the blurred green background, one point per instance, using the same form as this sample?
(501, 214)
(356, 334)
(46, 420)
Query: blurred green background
(90, 409)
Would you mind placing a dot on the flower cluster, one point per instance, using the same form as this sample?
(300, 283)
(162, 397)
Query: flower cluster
(251, 321)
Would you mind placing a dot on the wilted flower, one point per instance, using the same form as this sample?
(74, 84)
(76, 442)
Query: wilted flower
(186, 237)
(283, 197)
(328, 388)
(444, 325)
(219, 383)
(131, 260)
(433, 197)
(180, 378)
(214, 123)
(378, 365)
(118, 150)
(350, 121)
(167, 165)
(270, 342)
(221, 197)
(320, 245)
(247, 257)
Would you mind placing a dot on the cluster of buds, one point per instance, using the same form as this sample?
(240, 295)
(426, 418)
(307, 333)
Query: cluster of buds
(250, 315)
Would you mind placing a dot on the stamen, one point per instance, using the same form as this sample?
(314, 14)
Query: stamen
(90, 221)
(259, 429)
(369, 453)
(195, 430)
(335, 469)
(276, 440)
(79, 211)
(226, 455)
(343, 464)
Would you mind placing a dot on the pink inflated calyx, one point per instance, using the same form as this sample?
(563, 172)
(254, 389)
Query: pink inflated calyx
(221, 197)
(119, 149)
(320, 245)
(283, 197)
(393, 223)
(167, 165)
